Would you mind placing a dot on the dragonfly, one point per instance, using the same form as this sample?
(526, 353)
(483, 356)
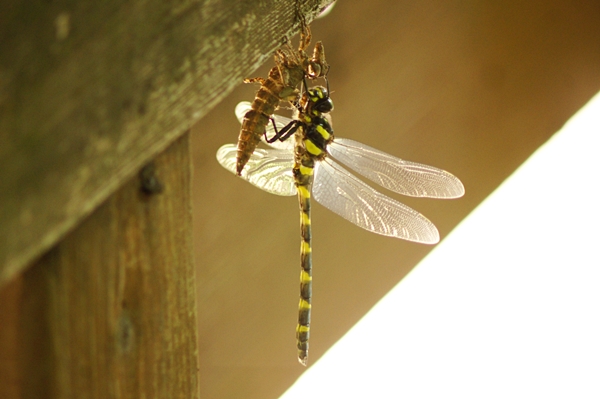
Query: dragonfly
(308, 167)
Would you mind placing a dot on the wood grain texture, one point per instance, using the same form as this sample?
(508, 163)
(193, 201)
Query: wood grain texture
(90, 91)
(110, 312)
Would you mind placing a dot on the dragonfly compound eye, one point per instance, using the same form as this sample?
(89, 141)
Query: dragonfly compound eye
(325, 106)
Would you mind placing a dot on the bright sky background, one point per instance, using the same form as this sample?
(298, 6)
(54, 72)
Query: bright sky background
(507, 306)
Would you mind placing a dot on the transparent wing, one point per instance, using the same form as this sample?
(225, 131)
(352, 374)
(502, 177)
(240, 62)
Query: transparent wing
(270, 170)
(241, 109)
(395, 174)
(341, 192)
(280, 121)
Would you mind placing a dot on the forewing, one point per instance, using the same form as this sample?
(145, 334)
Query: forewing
(341, 192)
(270, 170)
(280, 121)
(395, 174)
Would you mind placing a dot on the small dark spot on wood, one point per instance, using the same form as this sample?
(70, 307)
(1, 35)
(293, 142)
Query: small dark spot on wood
(125, 333)
(149, 182)
(126, 104)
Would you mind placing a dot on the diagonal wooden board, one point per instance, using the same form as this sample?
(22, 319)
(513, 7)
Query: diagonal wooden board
(91, 92)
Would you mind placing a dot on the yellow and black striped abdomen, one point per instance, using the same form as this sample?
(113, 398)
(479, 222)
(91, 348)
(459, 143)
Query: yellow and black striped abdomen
(303, 328)
(303, 173)
(310, 147)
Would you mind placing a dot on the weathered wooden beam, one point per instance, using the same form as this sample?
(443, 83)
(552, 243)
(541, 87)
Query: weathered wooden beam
(110, 312)
(89, 92)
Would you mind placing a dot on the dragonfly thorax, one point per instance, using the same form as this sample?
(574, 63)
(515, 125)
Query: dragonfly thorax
(316, 101)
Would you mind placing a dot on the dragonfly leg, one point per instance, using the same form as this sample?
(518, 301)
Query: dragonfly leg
(305, 35)
(255, 80)
(283, 134)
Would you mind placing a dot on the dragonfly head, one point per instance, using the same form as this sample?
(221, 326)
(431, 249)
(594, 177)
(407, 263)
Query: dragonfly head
(319, 101)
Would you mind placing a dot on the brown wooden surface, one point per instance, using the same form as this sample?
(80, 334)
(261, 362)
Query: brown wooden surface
(470, 87)
(90, 91)
(110, 312)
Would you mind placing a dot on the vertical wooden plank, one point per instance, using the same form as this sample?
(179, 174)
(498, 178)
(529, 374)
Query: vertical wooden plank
(110, 312)
(10, 378)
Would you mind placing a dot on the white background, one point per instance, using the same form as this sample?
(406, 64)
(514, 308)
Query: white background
(507, 306)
